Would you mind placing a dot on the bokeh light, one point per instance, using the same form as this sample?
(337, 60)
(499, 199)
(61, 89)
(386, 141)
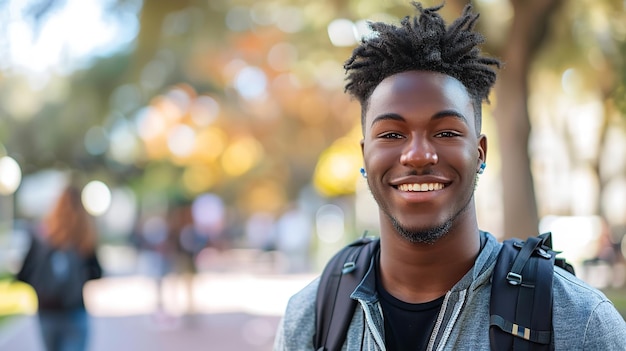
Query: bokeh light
(96, 197)
(96, 140)
(330, 223)
(251, 83)
(342, 32)
(263, 196)
(10, 175)
(181, 140)
(204, 110)
(198, 178)
(124, 146)
(240, 156)
(208, 213)
(210, 143)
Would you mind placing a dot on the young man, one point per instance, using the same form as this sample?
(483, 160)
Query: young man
(420, 86)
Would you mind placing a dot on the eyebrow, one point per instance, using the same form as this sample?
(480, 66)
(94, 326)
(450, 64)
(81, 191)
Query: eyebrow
(438, 115)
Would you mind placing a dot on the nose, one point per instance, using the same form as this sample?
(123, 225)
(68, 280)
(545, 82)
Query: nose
(419, 152)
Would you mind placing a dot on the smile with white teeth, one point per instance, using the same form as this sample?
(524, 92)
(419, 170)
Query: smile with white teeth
(420, 187)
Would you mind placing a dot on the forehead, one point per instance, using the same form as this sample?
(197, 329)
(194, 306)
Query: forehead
(420, 92)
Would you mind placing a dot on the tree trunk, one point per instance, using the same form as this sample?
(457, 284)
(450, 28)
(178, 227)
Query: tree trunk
(511, 114)
(153, 14)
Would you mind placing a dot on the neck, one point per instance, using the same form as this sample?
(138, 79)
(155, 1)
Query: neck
(417, 273)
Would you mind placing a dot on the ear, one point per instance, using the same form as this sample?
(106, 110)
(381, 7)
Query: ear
(482, 150)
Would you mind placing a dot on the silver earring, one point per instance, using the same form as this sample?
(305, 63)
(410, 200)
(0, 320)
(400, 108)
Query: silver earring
(363, 172)
(481, 170)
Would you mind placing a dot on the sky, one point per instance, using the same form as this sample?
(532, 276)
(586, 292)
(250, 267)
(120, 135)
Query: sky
(68, 36)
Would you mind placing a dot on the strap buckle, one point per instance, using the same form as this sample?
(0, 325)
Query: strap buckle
(514, 278)
(348, 267)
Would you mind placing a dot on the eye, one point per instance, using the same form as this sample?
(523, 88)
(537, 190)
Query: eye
(391, 135)
(447, 134)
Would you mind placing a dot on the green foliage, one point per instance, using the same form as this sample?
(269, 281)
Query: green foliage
(189, 42)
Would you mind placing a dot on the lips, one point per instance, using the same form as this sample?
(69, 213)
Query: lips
(420, 187)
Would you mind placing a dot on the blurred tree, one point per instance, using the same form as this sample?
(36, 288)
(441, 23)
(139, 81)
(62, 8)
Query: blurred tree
(591, 60)
(578, 43)
(189, 53)
(527, 33)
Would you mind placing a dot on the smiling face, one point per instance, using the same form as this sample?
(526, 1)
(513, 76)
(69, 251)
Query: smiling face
(421, 152)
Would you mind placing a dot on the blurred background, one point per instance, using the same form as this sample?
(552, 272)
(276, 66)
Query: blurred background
(220, 156)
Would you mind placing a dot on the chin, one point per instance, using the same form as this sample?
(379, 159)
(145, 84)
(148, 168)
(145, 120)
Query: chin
(427, 235)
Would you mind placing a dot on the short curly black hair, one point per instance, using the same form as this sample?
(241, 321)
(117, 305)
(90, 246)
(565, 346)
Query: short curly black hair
(422, 43)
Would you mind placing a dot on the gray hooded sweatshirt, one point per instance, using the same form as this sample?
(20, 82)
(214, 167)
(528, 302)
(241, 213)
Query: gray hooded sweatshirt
(583, 317)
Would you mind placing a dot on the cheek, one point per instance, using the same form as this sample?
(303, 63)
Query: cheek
(462, 157)
(469, 159)
(376, 157)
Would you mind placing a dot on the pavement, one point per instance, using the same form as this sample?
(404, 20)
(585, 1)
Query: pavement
(203, 312)
(222, 331)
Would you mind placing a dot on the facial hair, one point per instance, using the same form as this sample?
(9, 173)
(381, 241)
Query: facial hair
(428, 235)
(424, 236)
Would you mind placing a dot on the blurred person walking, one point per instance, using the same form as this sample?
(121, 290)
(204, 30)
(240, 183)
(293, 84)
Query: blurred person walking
(60, 260)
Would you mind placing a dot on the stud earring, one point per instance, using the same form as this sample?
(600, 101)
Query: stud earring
(481, 170)
(363, 172)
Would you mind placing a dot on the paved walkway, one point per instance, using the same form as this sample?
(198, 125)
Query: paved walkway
(224, 331)
(231, 312)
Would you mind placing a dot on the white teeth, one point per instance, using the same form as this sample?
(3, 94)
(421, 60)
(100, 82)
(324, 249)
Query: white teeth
(420, 187)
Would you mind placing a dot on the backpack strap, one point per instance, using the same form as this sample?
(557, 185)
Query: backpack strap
(521, 295)
(334, 307)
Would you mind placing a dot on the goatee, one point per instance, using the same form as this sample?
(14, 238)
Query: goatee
(424, 236)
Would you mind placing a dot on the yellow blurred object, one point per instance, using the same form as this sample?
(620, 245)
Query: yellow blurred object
(17, 298)
(241, 155)
(337, 170)
(265, 196)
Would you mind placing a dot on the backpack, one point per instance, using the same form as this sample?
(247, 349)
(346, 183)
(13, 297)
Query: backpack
(56, 275)
(521, 294)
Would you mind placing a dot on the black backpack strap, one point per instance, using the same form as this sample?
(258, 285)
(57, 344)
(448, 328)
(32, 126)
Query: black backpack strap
(334, 307)
(521, 295)
(561, 262)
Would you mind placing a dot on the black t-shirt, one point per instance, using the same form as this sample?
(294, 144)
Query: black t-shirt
(408, 326)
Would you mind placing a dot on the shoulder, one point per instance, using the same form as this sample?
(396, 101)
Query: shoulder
(583, 313)
(570, 289)
(303, 300)
(297, 327)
